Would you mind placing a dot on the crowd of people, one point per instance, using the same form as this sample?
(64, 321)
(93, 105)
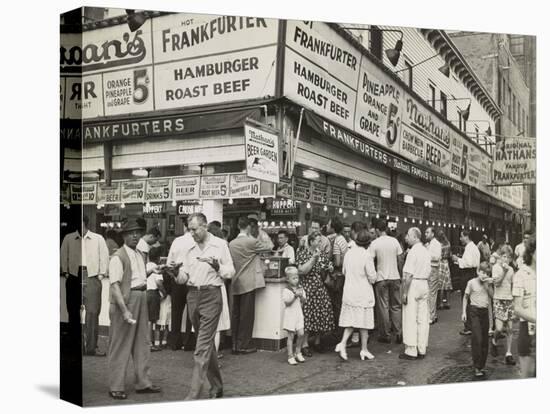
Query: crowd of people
(343, 284)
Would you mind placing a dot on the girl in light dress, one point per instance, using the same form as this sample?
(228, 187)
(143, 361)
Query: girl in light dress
(293, 323)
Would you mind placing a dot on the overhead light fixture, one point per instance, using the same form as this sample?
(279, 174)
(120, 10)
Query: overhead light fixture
(325, 208)
(122, 205)
(396, 219)
(354, 212)
(230, 201)
(135, 20)
(340, 210)
(141, 172)
(413, 221)
(311, 174)
(366, 213)
(404, 219)
(394, 54)
(420, 221)
(377, 216)
(261, 200)
(174, 204)
(445, 69)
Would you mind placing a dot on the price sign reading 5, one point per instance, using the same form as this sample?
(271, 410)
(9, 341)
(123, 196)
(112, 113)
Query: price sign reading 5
(141, 86)
(393, 124)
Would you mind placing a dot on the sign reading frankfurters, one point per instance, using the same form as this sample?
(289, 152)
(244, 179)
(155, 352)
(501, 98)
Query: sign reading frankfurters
(515, 161)
(261, 152)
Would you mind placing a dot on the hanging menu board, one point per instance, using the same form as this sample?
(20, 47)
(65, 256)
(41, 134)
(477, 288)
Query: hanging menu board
(109, 194)
(302, 189)
(186, 188)
(242, 186)
(83, 193)
(133, 191)
(214, 186)
(350, 199)
(336, 196)
(319, 193)
(159, 190)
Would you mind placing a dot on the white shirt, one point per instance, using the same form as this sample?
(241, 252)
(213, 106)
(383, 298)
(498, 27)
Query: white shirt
(179, 247)
(418, 262)
(201, 273)
(434, 247)
(351, 244)
(93, 254)
(139, 277)
(470, 258)
(153, 277)
(287, 251)
(518, 251)
(385, 250)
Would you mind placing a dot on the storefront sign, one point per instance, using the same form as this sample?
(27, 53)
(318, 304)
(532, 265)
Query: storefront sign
(187, 207)
(319, 193)
(336, 196)
(515, 161)
(262, 152)
(419, 149)
(133, 191)
(214, 186)
(241, 186)
(153, 210)
(350, 199)
(83, 193)
(83, 97)
(128, 91)
(108, 194)
(284, 188)
(285, 207)
(186, 188)
(158, 189)
(302, 189)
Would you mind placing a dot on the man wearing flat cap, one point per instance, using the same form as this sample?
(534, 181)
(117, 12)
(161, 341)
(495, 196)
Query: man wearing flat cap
(128, 336)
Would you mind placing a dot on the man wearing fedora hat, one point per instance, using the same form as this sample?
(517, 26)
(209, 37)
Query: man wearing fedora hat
(128, 334)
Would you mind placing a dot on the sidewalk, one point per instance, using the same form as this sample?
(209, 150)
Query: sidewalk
(267, 373)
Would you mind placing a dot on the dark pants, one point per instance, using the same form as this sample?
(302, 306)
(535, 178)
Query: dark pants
(480, 335)
(242, 320)
(178, 297)
(465, 276)
(92, 302)
(73, 300)
(205, 307)
(388, 307)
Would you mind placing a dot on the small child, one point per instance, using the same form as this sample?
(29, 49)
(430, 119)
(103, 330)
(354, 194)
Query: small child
(154, 296)
(479, 292)
(293, 297)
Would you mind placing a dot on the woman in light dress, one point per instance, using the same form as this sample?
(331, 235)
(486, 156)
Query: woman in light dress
(358, 298)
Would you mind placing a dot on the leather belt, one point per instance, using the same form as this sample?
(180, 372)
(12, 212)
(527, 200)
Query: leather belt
(419, 278)
(203, 287)
(140, 288)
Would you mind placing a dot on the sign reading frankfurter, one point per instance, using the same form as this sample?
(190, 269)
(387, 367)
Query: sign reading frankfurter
(205, 59)
(261, 152)
(515, 161)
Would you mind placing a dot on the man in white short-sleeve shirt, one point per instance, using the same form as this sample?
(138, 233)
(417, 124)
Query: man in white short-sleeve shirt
(416, 327)
(386, 250)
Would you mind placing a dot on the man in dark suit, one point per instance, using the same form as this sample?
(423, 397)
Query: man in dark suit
(245, 251)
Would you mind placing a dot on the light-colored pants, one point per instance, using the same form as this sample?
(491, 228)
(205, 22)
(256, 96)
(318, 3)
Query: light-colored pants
(434, 284)
(129, 341)
(416, 327)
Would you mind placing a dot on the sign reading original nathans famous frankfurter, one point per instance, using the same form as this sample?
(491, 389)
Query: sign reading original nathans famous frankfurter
(515, 161)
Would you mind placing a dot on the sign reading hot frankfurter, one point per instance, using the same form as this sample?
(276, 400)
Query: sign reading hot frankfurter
(262, 152)
(515, 161)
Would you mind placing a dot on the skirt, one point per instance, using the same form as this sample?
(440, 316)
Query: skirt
(165, 314)
(356, 317)
(445, 276)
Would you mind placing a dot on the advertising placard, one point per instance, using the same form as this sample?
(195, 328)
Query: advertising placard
(133, 191)
(158, 189)
(214, 186)
(83, 97)
(302, 189)
(187, 207)
(262, 153)
(185, 188)
(350, 199)
(128, 91)
(375, 204)
(319, 193)
(84, 193)
(242, 186)
(363, 201)
(336, 196)
(108, 194)
(515, 161)
(284, 188)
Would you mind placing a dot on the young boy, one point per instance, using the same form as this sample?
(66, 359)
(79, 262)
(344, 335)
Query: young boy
(154, 295)
(479, 292)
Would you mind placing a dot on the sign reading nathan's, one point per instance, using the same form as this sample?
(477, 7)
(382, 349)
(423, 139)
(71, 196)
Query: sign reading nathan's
(515, 161)
(262, 153)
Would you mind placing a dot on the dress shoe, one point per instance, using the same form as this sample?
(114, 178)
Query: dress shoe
(365, 355)
(465, 332)
(433, 321)
(307, 352)
(153, 389)
(155, 348)
(510, 360)
(407, 357)
(118, 395)
(247, 351)
(341, 349)
(216, 394)
(421, 356)
(300, 358)
(292, 361)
